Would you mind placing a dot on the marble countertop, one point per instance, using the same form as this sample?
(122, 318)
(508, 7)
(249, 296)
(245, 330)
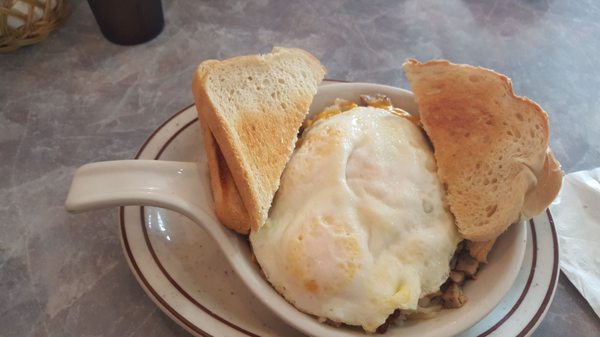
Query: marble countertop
(77, 98)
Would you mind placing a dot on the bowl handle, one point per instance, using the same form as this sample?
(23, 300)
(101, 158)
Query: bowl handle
(166, 184)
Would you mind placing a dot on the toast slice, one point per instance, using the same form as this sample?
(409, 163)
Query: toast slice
(490, 145)
(252, 107)
(228, 205)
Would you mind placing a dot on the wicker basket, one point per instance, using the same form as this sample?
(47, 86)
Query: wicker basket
(25, 22)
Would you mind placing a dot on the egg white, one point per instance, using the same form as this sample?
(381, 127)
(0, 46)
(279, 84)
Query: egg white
(359, 226)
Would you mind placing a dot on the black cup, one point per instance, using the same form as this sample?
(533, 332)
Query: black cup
(128, 22)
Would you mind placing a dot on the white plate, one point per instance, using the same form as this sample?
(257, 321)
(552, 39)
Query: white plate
(187, 276)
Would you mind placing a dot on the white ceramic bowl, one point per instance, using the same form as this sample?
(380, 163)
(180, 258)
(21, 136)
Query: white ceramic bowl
(494, 279)
(178, 186)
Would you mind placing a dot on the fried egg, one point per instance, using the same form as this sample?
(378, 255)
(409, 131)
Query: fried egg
(359, 227)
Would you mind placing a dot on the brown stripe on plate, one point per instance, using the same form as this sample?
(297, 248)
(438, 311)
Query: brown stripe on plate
(132, 260)
(179, 287)
(159, 263)
(553, 280)
(160, 152)
(527, 284)
(147, 285)
(193, 327)
(136, 268)
(143, 147)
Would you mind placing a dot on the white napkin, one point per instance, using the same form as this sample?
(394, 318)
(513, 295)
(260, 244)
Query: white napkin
(576, 213)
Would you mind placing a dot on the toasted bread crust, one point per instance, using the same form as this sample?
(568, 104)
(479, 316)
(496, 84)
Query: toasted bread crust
(549, 181)
(490, 145)
(228, 205)
(480, 250)
(253, 106)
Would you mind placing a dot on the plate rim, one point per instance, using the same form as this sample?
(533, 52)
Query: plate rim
(194, 329)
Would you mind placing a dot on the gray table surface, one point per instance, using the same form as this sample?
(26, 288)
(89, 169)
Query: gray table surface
(77, 98)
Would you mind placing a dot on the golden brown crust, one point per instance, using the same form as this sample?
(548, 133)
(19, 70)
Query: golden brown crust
(253, 106)
(480, 250)
(228, 205)
(490, 145)
(547, 188)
